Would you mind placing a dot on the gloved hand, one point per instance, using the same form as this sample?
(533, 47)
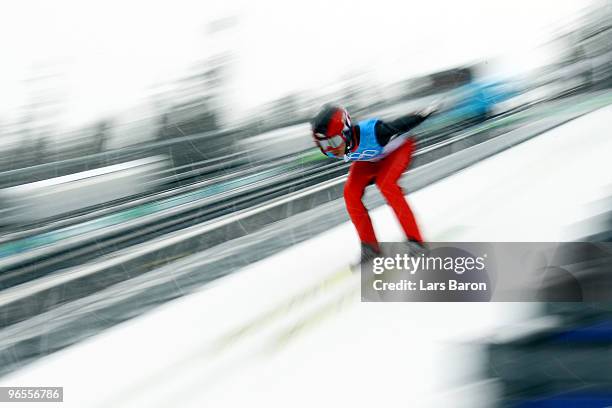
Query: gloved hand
(432, 108)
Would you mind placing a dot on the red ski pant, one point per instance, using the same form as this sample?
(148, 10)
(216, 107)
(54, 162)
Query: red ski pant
(386, 174)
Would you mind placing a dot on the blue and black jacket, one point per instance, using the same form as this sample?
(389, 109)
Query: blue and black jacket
(372, 139)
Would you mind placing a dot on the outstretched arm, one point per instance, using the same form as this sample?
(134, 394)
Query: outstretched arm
(403, 124)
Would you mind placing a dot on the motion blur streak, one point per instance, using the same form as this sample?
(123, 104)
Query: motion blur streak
(169, 230)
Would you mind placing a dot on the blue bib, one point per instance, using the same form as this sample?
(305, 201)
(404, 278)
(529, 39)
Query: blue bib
(368, 148)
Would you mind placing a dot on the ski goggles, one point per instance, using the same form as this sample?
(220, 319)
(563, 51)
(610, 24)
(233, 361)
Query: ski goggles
(329, 143)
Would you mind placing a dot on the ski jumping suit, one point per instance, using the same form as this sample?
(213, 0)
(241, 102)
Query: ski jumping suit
(380, 153)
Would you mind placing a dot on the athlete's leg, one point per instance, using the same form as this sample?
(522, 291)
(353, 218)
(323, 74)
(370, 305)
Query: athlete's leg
(360, 175)
(389, 172)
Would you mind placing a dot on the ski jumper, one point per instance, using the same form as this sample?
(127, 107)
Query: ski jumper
(379, 157)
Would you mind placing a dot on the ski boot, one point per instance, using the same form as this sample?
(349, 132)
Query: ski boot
(368, 253)
(416, 247)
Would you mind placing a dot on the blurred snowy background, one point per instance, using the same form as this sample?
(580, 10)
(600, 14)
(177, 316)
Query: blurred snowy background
(153, 150)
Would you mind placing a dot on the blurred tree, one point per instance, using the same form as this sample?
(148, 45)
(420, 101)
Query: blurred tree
(41, 112)
(101, 136)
